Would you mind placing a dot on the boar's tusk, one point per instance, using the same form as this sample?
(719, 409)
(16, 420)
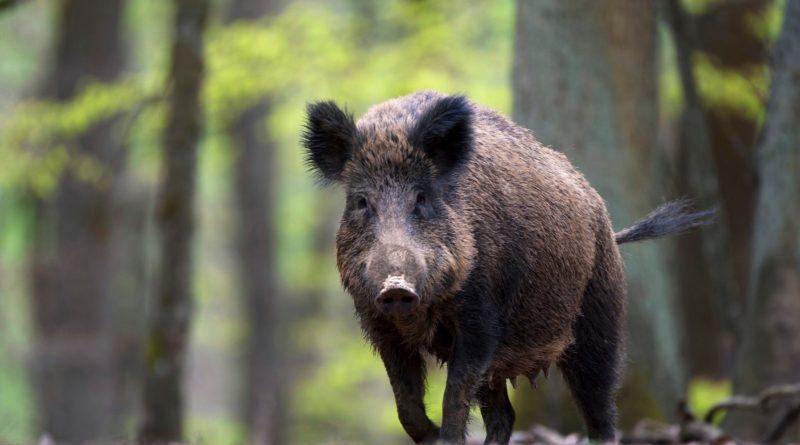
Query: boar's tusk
(513, 381)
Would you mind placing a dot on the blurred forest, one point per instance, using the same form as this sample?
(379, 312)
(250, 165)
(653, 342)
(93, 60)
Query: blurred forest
(166, 261)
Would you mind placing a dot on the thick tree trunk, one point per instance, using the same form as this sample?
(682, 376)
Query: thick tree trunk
(173, 306)
(255, 200)
(712, 164)
(770, 352)
(73, 361)
(585, 83)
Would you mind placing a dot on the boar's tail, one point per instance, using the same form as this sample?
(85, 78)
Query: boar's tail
(668, 219)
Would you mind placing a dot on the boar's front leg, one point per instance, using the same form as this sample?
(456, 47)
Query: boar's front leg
(406, 371)
(472, 351)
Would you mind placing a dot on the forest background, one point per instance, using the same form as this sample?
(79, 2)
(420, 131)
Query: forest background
(157, 218)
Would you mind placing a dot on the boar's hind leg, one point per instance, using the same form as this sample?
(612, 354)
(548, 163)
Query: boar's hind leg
(497, 412)
(406, 371)
(591, 364)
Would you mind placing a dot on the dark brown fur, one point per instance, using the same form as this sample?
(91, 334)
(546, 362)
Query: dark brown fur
(514, 254)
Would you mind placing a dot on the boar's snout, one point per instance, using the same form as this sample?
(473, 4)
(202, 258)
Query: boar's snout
(397, 271)
(397, 296)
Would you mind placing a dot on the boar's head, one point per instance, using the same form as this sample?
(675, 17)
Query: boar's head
(403, 243)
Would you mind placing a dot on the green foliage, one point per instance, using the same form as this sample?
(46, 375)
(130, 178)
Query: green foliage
(310, 51)
(742, 90)
(704, 393)
(766, 26)
(35, 144)
(16, 220)
(16, 397)
(344, 397)
(731, 89)
(16, 401)
(669, 82)
(213, 430)
(699, 6)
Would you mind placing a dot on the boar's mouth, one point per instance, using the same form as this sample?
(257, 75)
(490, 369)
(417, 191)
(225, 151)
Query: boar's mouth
(397, 296)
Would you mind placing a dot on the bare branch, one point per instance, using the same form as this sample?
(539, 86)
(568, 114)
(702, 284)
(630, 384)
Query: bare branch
(759, 402)
(735, 402)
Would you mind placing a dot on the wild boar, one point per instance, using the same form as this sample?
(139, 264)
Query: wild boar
(465, 238)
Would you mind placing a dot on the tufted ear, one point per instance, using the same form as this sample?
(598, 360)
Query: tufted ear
(329, 137)
(444, 131)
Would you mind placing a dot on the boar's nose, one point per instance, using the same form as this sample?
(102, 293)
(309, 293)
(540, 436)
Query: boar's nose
(387, 260)
(397, 297)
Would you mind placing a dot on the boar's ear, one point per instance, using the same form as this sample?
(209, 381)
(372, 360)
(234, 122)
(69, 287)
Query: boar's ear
(329, 137)
(444, 131)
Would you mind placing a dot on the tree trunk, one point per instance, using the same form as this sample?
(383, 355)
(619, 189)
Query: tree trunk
(712, 164)
(256, 241)
(585, 83)
(255, 200)
(132, 213)
(770, 352)
(172, 309)
(73, 361)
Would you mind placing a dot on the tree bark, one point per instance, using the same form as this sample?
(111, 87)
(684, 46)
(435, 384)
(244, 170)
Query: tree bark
(585, 83)
(173, 306)
(73, 359)
(770, 352)
(255, 200)
(713, 164)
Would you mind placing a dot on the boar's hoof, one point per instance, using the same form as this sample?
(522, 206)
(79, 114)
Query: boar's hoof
(397, 297)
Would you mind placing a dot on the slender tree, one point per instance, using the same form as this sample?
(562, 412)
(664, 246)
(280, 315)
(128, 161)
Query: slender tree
(585, 83)
(712, 163)
(770, 352)
(73, 361)
(255, 200)
(172, 309)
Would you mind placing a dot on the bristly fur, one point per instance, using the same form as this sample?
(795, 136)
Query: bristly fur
(514, 260)
(329, 138)
(669, 219)
(444, 132)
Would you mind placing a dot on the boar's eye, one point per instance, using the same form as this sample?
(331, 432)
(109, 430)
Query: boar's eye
(421, 199)
(420, 205)
(362, 205)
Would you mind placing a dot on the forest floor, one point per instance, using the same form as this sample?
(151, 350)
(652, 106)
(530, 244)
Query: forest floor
(780, 404)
